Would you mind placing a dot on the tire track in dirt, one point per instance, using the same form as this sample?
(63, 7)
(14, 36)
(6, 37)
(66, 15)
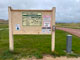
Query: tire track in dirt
(53, 58)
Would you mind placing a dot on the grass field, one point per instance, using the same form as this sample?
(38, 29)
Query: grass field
(69, 25)
(36, 45)
(3, 25)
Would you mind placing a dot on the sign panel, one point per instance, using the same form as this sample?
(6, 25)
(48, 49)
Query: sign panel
(32, 18)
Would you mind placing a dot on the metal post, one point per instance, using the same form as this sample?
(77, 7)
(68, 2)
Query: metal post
(69, 44)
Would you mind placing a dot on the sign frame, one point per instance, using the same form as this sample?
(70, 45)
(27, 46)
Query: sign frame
(11, 41)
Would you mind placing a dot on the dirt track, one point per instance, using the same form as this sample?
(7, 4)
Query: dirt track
(72, 31)
(52, 58)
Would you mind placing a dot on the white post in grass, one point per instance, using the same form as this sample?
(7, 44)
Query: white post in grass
(53, 29)
(11, 43)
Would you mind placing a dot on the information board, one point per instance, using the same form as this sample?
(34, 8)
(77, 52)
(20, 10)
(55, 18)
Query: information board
(31, 18)
(31, 22)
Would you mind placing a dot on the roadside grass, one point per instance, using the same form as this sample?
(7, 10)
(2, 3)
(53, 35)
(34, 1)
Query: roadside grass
(36, 45)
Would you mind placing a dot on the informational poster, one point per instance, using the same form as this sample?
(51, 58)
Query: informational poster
(46, 21)
(17, 26)
(46, 28)
(32, 18)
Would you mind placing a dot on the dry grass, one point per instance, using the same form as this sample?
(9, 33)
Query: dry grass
(69, 25)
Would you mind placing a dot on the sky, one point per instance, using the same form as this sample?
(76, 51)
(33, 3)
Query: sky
(66, 10)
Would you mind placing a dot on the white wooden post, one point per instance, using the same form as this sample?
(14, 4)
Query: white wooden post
(53, 31)
(11, 42)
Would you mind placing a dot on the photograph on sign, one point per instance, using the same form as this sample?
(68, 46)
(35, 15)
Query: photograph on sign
(46, 30)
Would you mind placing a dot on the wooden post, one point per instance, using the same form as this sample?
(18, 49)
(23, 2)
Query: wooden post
(11, 43)
(53, 30)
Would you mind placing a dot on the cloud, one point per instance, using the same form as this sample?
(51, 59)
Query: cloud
(77, 0)
(4, 9)
(33, 4)
(66, 10)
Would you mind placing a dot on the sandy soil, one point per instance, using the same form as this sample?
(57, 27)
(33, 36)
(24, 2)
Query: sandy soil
(52, 58)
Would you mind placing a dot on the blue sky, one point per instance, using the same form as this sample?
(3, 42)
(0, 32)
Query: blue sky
(66, 10)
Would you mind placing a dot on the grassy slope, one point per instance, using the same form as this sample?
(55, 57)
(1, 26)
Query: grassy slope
(36, 45)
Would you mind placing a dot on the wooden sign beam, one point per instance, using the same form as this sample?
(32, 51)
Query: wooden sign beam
(53, 29)
(11, 42)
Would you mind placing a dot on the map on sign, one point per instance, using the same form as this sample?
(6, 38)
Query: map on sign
(31, 18)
